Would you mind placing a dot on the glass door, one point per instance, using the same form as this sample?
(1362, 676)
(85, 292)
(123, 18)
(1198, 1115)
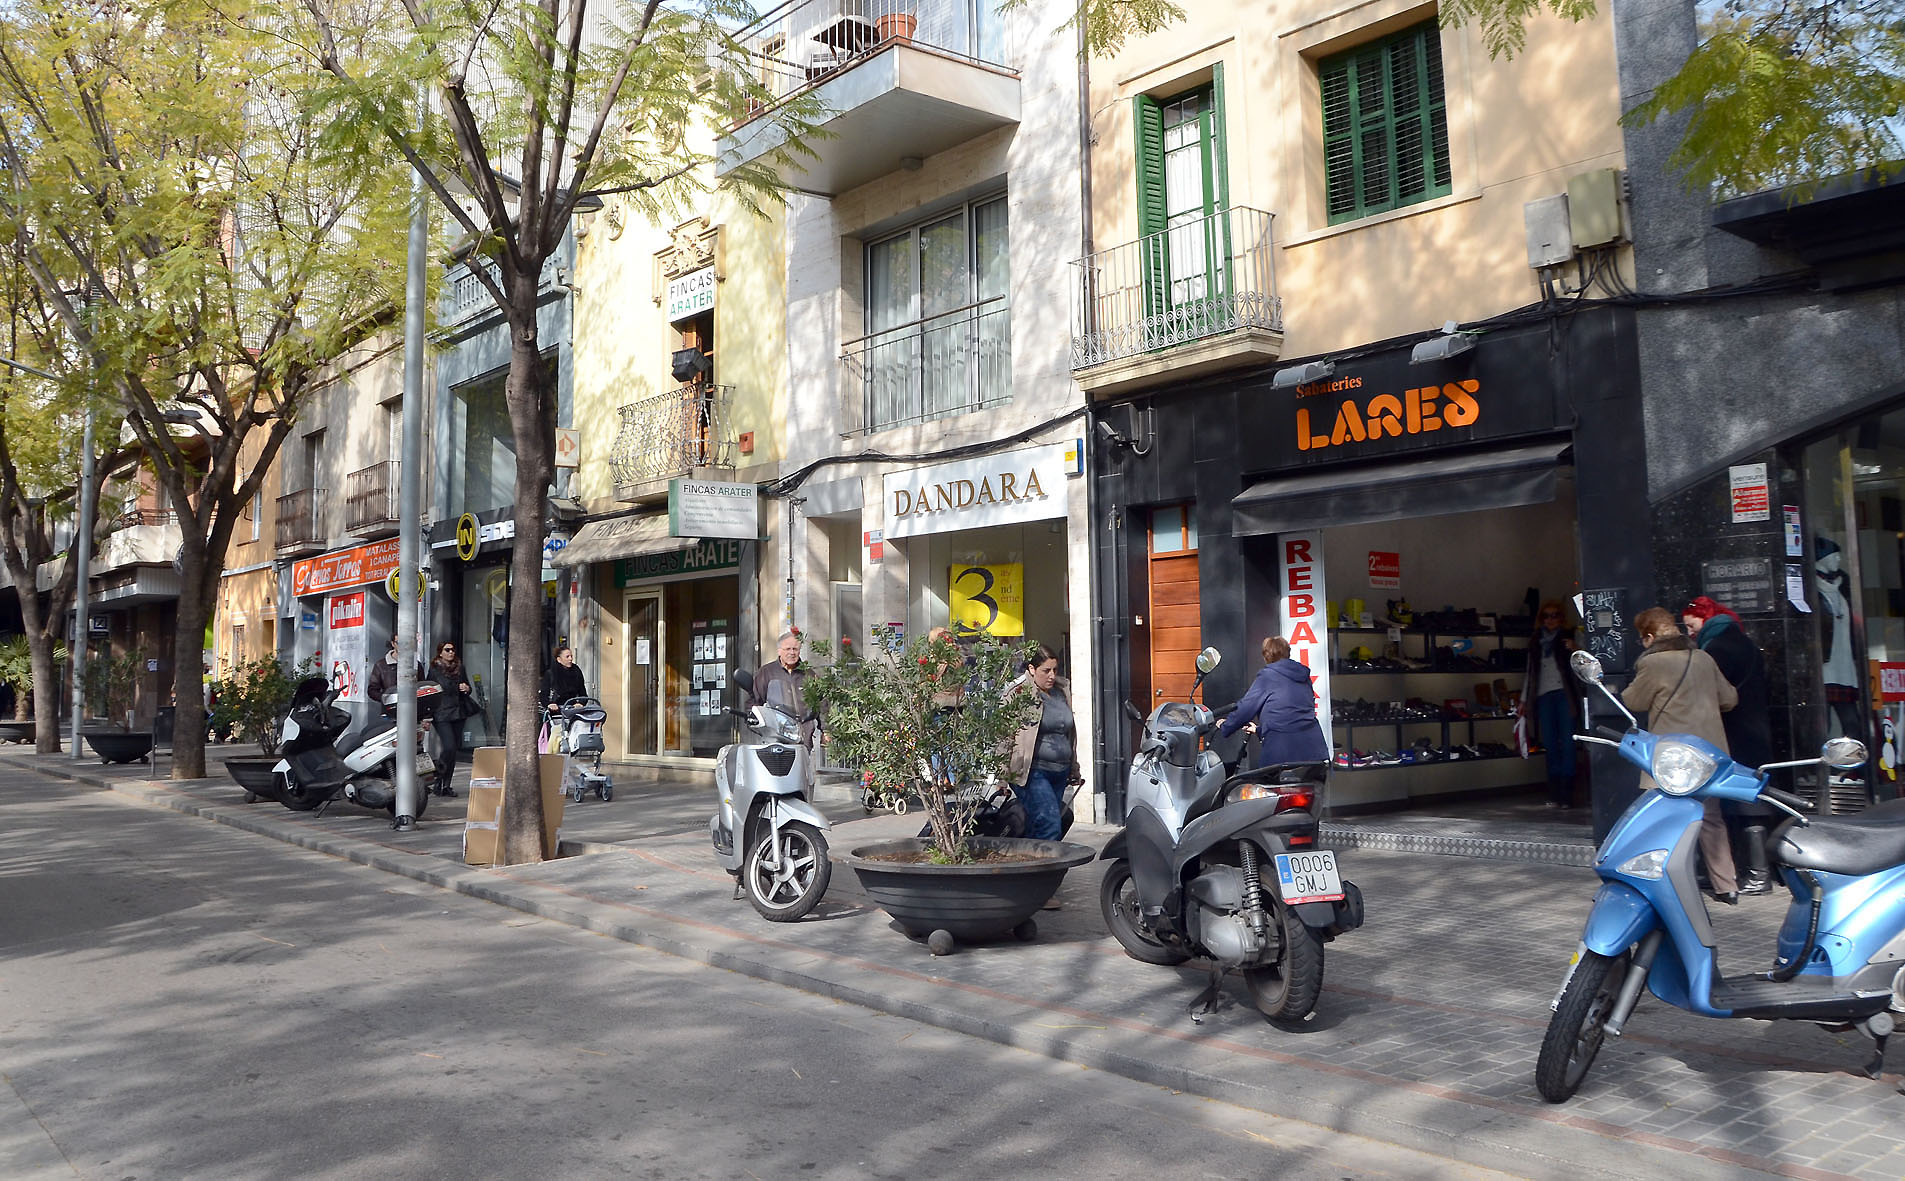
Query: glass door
(644, 673)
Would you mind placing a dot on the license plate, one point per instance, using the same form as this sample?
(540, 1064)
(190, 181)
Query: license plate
(1573, 963)
(1308, 877)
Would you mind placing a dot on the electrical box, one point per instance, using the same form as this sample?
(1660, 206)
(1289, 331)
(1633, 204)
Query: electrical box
(1594, 207)
(1548, 242)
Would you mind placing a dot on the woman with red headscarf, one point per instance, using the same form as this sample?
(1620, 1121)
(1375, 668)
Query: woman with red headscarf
(1716, 629)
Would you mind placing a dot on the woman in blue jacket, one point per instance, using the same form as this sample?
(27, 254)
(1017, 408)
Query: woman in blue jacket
(1281, 710)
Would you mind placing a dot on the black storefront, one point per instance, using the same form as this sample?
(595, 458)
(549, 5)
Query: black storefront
(1458, 482)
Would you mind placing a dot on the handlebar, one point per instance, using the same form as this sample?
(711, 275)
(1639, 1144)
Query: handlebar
(1610, 733)
(1787, 798)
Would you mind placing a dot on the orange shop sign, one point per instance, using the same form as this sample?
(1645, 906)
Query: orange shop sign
(345, 567)
(1353, 420)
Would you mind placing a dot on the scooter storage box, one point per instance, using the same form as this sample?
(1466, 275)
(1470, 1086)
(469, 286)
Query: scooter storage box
(486, 762)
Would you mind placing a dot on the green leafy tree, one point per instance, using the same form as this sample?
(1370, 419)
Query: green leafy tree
(111, 683)
(16, 669)
(930, 717)
(202, 244)
(533, 108)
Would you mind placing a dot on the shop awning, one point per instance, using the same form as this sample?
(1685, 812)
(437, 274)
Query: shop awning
(619, 537)
(1426, 487)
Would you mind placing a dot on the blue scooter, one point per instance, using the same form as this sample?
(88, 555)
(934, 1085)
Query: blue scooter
(1840, 955)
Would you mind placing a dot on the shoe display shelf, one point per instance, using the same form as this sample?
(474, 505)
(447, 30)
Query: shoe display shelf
(1416, 669)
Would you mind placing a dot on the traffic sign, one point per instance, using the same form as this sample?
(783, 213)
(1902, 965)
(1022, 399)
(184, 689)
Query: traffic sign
(390, 587)
(568, 447)
(466, 536)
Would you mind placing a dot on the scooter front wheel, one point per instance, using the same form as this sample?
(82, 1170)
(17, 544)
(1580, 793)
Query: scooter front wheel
(1288, 989)
(787, 873)
(1579, 1024)
(1118, 899)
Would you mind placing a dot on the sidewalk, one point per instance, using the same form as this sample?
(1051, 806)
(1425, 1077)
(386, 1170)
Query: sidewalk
(1426, 1036)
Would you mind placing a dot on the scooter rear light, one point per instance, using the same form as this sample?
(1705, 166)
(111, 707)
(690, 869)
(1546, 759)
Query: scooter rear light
(1299, 841)
(1292, 800)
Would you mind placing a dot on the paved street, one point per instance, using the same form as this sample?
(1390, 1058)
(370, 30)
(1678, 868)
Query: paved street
(182, 1000)
(1426, 1035)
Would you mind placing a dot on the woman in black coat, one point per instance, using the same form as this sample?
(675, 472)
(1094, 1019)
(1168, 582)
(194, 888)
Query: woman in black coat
(1716, 629)
(448, 672)
(565, 680)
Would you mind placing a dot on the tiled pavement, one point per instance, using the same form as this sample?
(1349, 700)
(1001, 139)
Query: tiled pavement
(1426, 1034)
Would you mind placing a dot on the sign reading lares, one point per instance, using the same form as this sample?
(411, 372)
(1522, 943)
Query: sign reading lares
(707, 508)
(1300, 607)
(691, 294)
(1002, 489)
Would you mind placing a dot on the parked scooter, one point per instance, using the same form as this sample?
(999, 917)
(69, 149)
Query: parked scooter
(318, 761)
(1836, 960)
(1224, 866)
(765, 831)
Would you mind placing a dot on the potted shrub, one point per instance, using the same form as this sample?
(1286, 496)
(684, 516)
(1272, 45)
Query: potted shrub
(250, 703)
(110, 682)
(934, 720)
(16, 669)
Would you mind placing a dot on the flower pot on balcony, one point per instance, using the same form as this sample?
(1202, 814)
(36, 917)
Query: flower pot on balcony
(895, 25)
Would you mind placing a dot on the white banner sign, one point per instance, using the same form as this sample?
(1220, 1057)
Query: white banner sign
(1003, 489)
(691, 294)
(705, 508)
(1300, 606)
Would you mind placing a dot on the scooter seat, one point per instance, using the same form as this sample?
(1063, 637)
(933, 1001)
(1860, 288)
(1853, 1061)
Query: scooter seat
(1861, 844)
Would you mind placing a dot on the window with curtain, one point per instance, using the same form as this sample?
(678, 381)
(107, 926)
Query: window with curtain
(938, 323)
(1385, 131)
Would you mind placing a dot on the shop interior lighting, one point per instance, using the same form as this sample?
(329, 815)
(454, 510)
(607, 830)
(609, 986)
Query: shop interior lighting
(1302, 374)
(1452, 342)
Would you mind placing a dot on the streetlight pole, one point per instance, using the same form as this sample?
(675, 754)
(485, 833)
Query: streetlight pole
(410, 505)
(82, 558)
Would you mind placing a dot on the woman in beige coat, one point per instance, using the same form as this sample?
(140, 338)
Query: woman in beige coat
(1682, 691)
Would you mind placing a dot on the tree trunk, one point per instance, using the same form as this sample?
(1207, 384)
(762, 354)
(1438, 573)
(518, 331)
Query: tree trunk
(188, 659)
(46, 682)
(522, 793)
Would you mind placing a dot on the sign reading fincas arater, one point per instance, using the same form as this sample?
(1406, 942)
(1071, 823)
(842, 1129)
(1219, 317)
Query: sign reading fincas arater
(345, 567)
(1300, 608)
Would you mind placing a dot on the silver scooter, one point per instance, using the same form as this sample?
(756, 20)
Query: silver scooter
(765, 831)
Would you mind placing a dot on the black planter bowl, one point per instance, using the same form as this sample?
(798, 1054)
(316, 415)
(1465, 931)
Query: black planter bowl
(118, 746)
(944, 903)
(255, 776)
(12, 731)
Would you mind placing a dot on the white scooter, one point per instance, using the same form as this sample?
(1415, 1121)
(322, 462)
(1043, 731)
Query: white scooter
(319, 761)
(765, 831)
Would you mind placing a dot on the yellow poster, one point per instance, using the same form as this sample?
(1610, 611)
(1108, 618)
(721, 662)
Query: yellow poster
(988, 599)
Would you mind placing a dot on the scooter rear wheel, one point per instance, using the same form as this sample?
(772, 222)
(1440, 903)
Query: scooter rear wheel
(298, 799)
(792, 890)
(1118, 899)
(1579, 1024)
(1288, 989)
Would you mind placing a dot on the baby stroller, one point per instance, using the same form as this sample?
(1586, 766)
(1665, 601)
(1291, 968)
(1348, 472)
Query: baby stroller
(580, 737)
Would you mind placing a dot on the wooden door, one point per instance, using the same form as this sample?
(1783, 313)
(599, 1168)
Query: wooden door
(1176, 632)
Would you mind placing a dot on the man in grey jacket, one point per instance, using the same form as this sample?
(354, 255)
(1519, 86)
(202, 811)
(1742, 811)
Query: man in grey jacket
(779, 683)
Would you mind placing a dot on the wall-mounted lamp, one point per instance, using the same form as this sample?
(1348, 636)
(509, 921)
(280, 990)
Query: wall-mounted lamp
(1302, 374)
(1453, 342)
(688, 364)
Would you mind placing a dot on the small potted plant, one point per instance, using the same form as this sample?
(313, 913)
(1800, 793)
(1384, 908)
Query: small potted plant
(935, 719)
(110, 682)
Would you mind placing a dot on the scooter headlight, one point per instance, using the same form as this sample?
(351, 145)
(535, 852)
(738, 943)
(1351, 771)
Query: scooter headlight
(1680, 769)
(1651, 865)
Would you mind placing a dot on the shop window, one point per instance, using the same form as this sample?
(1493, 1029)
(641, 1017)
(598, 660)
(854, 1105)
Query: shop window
(1173, 530)
(1182, 185)
(938, 321)
(1385, 130)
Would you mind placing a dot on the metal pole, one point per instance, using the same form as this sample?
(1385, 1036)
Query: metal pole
(83, 557)
(409, 507)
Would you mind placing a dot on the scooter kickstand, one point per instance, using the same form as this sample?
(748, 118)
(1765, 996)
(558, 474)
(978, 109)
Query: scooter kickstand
(1208, 998)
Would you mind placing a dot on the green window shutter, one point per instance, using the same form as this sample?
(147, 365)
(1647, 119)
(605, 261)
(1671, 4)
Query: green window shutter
(1385, 128)
(1149, 118)
(1220, 141)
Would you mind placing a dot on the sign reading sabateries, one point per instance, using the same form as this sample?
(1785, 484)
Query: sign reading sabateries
(709, 508)
(691, 294)
(1003, 489)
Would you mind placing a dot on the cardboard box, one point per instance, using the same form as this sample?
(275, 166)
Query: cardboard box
(486, 805)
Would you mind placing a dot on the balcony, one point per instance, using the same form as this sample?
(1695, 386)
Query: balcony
(955, 362)
(370, 500)
(677, 433)
(895, 80)
(1198, 297)
(298, 530)
(140, 537)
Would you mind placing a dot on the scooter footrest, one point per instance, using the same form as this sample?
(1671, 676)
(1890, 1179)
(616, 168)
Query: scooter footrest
(1806, 997)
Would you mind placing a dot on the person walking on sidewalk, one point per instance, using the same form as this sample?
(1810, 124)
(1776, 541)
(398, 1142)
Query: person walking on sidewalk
(383, 677)
(779, 683)
(1280, 709)
(1547, 698)
(565, 680)
(453, 705)
(1044, 765)
(1682, 691)
(1716, 629)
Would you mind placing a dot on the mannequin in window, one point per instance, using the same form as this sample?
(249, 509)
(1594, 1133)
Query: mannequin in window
(1835, 613)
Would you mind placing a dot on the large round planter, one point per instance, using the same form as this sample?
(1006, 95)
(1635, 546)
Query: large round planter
(118, 746)
(255, 776)
(12, 731)
(970, 902)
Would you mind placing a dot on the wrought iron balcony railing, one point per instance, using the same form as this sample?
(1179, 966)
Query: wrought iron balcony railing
(370, 498)
(798, 44)
(672, 433)
(1198, 278)
(952, 363)
(298, 518)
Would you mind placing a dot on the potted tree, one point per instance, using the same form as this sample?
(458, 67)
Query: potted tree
(110, 681)
(935, 719)
(16, 670)
(250, 704)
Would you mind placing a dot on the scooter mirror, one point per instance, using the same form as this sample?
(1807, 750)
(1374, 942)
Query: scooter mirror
(1208, 659)
(1843, 753)
(744, 679)
(1586, 666)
